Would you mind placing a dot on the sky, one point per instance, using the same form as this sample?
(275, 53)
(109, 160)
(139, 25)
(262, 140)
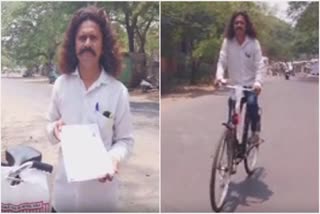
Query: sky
(281, 11)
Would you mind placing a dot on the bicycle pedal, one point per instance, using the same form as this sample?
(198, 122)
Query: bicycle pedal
(260, 141)
(238, 160)
(239, 155)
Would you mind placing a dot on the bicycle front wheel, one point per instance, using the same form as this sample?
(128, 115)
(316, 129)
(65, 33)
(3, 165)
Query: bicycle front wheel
(251, 158)
(221, 172)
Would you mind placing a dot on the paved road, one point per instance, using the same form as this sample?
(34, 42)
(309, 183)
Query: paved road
(24, 103)
(287, 177)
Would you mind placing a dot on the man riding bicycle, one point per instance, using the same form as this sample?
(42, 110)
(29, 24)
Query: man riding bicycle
(241, 56)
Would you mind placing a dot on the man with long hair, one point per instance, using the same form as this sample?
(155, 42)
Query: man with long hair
(88, 92)
(241, 56)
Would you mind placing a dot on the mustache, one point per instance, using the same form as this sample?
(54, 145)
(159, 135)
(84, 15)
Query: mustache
(239, 28)
(83, 50)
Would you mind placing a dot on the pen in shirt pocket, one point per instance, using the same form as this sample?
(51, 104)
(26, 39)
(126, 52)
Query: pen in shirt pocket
(97, 107)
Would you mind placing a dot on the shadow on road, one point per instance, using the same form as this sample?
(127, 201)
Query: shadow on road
(144, 105)
(149, 109)
(252, 190)
(147, 114)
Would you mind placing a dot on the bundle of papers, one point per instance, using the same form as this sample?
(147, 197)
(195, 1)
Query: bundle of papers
(85, 157)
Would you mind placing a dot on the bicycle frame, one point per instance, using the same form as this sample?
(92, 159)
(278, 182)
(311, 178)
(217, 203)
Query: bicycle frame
(236, 103)
(228, 147)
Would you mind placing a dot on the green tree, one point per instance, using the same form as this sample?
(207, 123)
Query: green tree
(136, 18)
(32, 31)
(306, 16)
(192, 33)
(196, 30)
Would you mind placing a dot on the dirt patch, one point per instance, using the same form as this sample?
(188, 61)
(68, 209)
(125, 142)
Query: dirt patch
(150, 96)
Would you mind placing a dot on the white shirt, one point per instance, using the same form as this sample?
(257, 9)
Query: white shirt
(75, 105)
(243, 62)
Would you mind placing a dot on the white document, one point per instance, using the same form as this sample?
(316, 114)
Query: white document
(85, 157)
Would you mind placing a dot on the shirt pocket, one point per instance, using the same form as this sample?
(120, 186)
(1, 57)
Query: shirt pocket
(248, 59)
(105, 125)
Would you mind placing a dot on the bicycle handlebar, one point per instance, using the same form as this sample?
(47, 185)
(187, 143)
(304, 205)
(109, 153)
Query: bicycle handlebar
(237, 87)
(223, 83)
(42, 166)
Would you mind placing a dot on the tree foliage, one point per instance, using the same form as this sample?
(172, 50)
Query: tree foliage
(203, 24)
(306, 16)
(32, 31)
(137, 18)
(195, 30)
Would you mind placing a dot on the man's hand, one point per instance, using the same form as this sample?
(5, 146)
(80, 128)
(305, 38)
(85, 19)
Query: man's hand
(110, 177)
(257, 88)
(58, 128)
(219, 82)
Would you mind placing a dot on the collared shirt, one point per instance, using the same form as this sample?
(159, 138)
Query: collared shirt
(244, 62)
(74, 104)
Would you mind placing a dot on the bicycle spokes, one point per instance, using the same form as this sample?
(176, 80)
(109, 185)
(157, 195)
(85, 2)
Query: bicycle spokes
(220, 177)
(251, 156)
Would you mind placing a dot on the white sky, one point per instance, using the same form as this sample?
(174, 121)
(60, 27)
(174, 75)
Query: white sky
(281, 9)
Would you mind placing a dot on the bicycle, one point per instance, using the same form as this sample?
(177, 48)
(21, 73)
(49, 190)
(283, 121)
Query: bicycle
(230, 152)
(24, 181)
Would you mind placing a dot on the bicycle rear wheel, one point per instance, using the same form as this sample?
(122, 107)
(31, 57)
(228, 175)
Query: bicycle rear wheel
(221, 172)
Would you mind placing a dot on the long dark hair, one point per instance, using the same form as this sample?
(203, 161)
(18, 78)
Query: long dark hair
(250, 30)
(110, 58)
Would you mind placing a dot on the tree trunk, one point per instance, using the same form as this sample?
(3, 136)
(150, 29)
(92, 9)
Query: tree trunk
(142, 44)
(194, 63)
(143, 36)
(194, 68)
(130, 32)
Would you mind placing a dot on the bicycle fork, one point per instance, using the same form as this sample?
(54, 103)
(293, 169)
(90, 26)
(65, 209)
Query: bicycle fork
(231, 151)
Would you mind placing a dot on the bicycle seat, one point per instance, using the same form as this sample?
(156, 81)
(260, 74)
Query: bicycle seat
(18, 155)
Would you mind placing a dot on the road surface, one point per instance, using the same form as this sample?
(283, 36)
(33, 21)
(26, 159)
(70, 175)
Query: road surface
(287, 175)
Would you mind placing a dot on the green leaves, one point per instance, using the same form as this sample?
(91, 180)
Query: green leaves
(138, 19)
(201, 24)
(32, 31)
(206, 50)
(193, 31)
(306, 15)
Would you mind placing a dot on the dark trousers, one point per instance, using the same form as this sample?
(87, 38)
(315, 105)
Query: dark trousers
(252, 109)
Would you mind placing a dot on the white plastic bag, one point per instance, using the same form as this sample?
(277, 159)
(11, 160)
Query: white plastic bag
(30, 195)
